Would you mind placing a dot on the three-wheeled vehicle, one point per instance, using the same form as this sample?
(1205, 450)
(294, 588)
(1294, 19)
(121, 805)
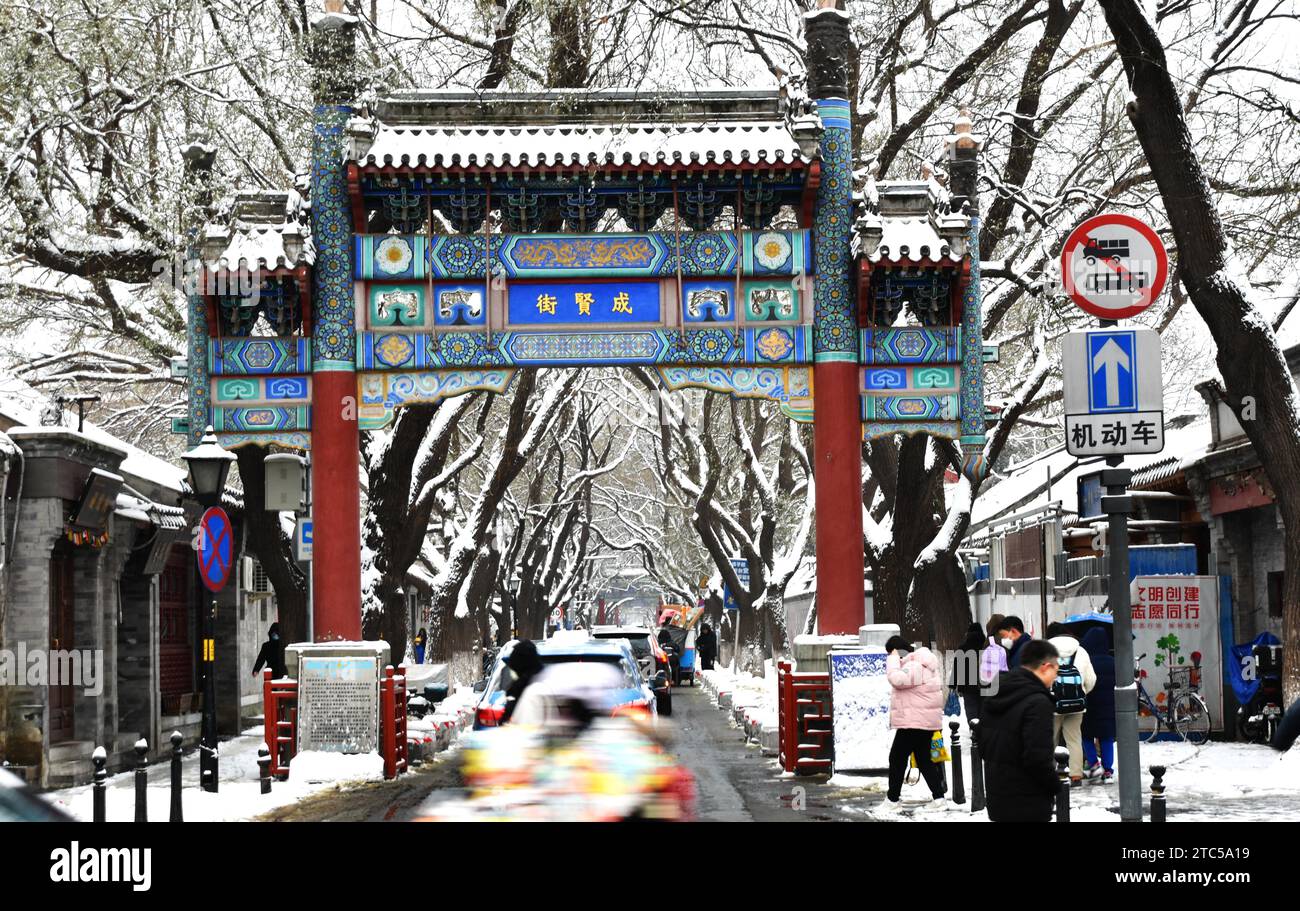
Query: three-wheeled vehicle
(683, 654)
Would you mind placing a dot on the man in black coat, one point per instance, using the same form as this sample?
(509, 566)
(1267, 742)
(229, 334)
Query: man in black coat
(706, 643)
(1016, 738)
(272, 654)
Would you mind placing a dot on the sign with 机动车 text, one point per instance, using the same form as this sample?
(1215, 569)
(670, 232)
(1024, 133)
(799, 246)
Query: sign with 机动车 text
(583, 303)
(1114, 395)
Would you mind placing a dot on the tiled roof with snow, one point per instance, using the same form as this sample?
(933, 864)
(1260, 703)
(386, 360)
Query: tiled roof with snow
(909, 221)
(21, 405)
(558, 129)
(261, 230)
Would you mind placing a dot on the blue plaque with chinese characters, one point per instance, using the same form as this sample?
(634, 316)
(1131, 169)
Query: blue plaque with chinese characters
(584, 304)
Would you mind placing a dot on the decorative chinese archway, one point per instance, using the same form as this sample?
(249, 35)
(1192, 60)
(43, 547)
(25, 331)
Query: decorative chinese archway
(455, 237)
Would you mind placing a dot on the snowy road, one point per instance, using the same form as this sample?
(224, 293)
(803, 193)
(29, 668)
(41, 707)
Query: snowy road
(736, 783)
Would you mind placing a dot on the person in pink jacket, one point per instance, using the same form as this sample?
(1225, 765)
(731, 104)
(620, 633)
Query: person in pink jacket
(915, 713)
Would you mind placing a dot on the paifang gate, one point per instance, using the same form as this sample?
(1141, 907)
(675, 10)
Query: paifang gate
(456, 237)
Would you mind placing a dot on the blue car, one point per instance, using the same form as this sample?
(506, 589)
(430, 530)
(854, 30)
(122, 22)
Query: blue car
(636, 690)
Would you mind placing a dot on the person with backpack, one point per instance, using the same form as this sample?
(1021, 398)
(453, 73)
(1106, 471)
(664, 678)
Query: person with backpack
(1074, 680)
(993, 660)
(1099, 720)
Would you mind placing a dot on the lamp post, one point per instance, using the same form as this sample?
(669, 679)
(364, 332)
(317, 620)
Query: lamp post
(209, 466)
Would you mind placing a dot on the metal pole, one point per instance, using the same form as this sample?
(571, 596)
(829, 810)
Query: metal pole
(958, 784)
(264, 768)
(1063, 784)
(1157, 793)
(100, 758)
(208, 773)
(976, 768)
(1117, 505)
(176, 739)
(141, 781)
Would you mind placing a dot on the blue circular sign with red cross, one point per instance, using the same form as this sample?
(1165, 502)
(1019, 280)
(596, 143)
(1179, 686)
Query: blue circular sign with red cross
(216, 549)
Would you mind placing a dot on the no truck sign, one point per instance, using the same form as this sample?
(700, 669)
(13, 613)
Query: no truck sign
(1114, 266)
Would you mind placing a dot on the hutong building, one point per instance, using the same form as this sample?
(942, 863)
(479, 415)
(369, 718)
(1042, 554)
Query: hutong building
(98, 599)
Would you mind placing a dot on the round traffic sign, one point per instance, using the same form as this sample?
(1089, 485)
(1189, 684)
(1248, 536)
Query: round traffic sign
(1114, 266)
(217, 549)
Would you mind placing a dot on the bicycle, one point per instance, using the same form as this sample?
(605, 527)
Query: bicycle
(1185, 714)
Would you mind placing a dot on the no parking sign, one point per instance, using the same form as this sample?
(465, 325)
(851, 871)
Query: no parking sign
(216, 549)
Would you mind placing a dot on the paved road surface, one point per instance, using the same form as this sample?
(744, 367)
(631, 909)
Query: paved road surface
(735, 782)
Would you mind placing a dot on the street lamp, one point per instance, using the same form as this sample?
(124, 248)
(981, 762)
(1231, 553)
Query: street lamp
(209, 466)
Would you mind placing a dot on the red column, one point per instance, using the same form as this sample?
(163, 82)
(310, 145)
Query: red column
(336, 507)
(837, 447)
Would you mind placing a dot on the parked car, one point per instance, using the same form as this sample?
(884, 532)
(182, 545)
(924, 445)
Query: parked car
(19, 803)
(650, 655)
(637, 691)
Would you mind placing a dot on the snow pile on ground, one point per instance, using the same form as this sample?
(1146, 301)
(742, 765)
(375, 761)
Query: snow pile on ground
(318, 766)
(238, 798)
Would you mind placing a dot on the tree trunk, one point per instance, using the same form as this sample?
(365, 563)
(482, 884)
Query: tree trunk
(1256, 378)
(273, 548)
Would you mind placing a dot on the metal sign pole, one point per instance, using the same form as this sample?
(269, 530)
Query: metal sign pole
(1117, 505)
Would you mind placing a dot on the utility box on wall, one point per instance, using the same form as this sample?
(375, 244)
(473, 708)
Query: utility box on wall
(286, 482)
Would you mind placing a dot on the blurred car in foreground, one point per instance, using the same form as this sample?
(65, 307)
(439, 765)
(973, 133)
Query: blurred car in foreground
(575, 750)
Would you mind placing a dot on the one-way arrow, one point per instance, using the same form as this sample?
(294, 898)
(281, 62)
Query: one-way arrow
(1111, 357)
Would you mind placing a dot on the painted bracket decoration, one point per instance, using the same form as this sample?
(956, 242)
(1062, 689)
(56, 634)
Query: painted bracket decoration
(911, 345)
(257, 418)
(284, 439)
(791, 387)
(406, 351)
(257, 390)
(400, 257)
(382, 393)
(259, 356)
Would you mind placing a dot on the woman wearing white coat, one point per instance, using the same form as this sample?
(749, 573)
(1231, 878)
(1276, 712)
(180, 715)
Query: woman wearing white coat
(1071, 724)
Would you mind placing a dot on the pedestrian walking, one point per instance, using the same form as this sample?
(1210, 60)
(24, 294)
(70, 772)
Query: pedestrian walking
(1012, 635)
(916, 714)
(966, 677)
(1016, 739)
(1098, 730)
(271, 654)
(1074, 682)
(420, 639)
(706, 643)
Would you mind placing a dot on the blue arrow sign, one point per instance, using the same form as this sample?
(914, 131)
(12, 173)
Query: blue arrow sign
(1112, 372)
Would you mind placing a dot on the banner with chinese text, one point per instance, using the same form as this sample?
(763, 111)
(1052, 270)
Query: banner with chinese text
(1185, 607)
